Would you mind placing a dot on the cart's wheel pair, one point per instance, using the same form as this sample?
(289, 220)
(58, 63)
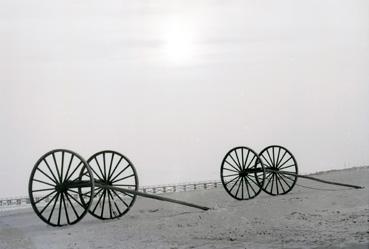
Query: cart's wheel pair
(244, 173)
(63, 186)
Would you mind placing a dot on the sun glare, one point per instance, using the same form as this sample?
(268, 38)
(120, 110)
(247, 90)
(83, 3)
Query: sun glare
(178, 42)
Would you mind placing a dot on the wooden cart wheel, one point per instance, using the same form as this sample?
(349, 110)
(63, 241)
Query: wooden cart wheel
(52, 194)
(281, 170)
(113, 169)
(242, 173)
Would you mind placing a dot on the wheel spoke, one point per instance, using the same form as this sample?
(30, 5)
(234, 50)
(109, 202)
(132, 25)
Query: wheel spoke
(267, 151)
(276, 183)
(36, 180)
(65, 209)
(242, 187)
(286, 167)
(270, 178)
(280, 183)
(43, 198)
(231, 180)
(282, 177)
(248, 177)
(266, 161)
(98, 165)
(250, 185)
(238, 189)
(97, 203)
(60, 208)
(273, 156)
(110, 207)
(103, 204)
(284, 154)
(52, 173)
(115, 177)
(67, 178)
(115, 204)
(238, 160)
(56, 166)
(243, 165)
(279, 152)
(237, 170)
(271, 188)
(234, 184)
(71, 204)
(120, 198)
(230, 170)
(62, 167)
(280, 166)
(74, 199)
(46, 175)
(239, 167)
(41, 190)
(111, 164)
(70, 163)
(231, 175)
(96, 174)
(48, 203)
(98, 192)
(115, 168)
(52, 210)
(104, 161)
(247, 156)
(285, 176)
(253, 156)
(123, 178)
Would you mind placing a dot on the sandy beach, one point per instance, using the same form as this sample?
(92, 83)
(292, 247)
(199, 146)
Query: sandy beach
(335, 217)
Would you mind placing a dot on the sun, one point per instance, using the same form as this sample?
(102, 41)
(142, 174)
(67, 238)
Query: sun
(178, 42)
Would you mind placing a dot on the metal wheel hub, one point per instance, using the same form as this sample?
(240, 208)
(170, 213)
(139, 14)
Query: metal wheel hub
(61, 188)
(243, 173)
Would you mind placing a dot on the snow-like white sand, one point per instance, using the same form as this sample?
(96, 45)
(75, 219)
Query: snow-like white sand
(304, 218)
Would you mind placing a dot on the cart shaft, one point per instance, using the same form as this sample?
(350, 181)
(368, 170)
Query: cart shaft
(81, 184)
(146, 195)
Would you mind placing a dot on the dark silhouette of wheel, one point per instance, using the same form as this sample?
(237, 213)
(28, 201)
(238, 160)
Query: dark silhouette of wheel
(280, 170)
(55, 190)
(110, 168)
(242, 173)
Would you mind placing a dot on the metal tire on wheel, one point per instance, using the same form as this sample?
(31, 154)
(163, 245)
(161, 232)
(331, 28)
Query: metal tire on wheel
(242, 173)
(52, 188)
(281, 170)
(112, 169)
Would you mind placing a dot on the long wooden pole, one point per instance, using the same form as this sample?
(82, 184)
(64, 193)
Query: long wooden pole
(156, 197)
(316, 179)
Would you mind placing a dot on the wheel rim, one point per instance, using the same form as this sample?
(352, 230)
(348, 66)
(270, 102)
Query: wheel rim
(242, 173)
(280, 160)
(51, 195)
(114, 169)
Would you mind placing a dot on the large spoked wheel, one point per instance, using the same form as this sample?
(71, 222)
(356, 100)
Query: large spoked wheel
(55, 190)
(242, 173)
(281, 170)
(111, 168)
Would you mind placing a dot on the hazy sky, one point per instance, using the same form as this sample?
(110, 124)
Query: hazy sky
(174, 84)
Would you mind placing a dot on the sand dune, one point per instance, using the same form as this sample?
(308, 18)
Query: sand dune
(304, 218)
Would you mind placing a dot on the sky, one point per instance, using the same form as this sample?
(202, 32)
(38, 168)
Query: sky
(174, 85)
